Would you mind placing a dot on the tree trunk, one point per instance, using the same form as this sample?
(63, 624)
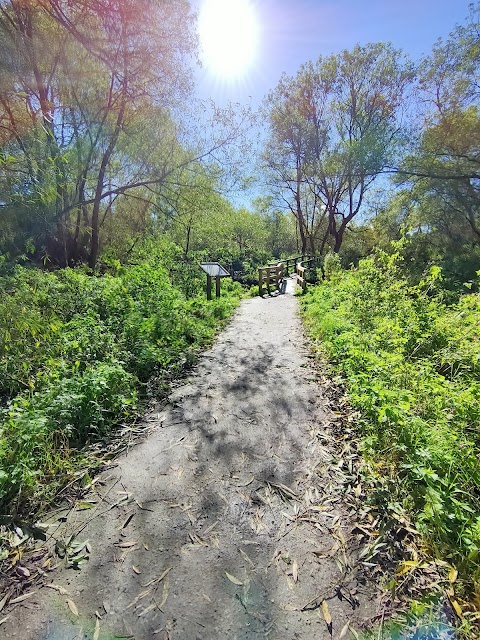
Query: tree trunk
(104, 164)
(339, 237)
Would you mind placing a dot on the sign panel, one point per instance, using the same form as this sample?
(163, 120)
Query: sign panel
(214, 269)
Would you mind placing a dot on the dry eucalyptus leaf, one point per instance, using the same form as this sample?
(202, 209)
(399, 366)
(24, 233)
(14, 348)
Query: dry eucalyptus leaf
(73, 607)
(166, 590)
(127, 545)
(159, 579)
(326, 613)
(61, 590)
(344, 630)
(139, 597)
(3, 601)
(96, 633)
(147, 610)
(233, 579)
(21, 598)
(246, 557)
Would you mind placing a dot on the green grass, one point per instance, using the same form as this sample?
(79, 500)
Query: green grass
(411, 365)
(76, 352)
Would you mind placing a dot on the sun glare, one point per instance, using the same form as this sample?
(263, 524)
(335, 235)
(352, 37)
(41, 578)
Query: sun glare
(229, 33)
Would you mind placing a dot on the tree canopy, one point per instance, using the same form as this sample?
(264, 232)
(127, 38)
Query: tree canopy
(332, 130)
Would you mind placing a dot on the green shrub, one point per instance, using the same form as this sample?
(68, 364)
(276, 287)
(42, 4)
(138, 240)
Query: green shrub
(74, 352)
(331, 265)
(412, 367)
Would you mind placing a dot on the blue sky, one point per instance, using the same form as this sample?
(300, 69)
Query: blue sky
(295, 31)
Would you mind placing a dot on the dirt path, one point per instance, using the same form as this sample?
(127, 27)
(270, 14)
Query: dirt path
(227, 522)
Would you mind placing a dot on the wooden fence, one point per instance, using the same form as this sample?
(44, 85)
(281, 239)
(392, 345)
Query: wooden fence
(270, 275)
(275, 272)
(290, 264)
(301, 280)
(308, 261)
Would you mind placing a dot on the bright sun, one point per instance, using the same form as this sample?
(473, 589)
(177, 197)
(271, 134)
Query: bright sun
(229, 33)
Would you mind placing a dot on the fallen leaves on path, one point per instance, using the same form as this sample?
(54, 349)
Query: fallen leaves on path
(326, 613)
(233, 579)
(56, 587)
(22, 598)
(96, 633)
(285, 492)
(73, 607)
(159, 579)
(126, 545)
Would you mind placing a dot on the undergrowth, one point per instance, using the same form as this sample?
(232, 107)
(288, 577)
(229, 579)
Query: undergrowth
(76, 352)
(411, 364)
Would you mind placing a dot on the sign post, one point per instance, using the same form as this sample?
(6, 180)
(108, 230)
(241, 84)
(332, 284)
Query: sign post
(209, 287)
(214, 270)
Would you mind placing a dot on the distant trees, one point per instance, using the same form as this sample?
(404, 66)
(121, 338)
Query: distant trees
(332, 130)
(442, 175)
(280, 228)
(95, 138)
(78, 83)
(344, 120)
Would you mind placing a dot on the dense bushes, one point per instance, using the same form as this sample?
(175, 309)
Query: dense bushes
(74, 352)
(412, 367)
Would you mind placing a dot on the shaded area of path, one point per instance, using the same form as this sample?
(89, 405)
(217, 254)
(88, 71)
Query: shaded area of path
(226, 522)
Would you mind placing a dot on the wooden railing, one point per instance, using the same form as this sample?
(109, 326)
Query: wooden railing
(301, 281)
(308, 261)
(290, 264)
(276, 271)
(269, 275)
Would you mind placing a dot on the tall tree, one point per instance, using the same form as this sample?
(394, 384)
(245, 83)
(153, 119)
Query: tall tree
(85, 73)
(91, 94)
(333, 129)
(443, 173)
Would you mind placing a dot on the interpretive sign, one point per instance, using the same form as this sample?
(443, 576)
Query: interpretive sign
(214, 270)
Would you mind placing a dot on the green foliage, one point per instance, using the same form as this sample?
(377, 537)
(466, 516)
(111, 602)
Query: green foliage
(331, 265)
(75, 350)
(118, 115)
(330, 136)
(411, 364)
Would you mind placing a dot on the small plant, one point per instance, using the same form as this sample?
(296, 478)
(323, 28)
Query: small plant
(331, 265)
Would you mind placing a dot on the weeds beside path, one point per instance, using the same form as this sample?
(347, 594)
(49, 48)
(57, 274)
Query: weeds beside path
(227, 522)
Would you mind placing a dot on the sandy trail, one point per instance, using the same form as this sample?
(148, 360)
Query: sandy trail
(235, 478)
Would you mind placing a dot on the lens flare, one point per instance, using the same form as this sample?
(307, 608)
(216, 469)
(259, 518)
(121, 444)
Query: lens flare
(229, 37)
